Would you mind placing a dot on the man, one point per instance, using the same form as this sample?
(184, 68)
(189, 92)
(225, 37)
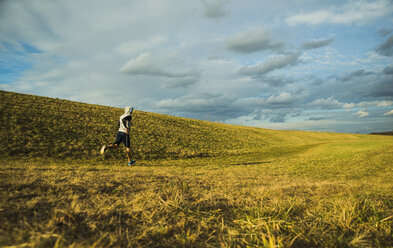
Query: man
(122, 134)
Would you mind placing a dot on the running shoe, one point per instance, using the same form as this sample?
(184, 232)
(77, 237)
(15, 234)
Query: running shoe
(103, 150)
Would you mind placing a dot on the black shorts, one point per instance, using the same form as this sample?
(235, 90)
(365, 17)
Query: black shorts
(122, 137)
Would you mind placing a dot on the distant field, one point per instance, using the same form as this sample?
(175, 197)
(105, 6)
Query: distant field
(196, 183)
(383, 133)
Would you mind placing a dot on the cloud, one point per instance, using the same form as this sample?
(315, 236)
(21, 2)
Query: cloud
(215, 107)
(279, 115)
(328, 103)
(70, 81)
(196, 102)
(132, 47)
(274, 115)
(276, 81)
(386, 48)
(331, 103)
(384, 32)
(316, 44)
(177, 74)
(354, 74)
(281, 100)
(214, 8)
(146, 64)
(273, 63)
(362, 113)
(388, 70)
(277, 119)
(353, 12)
(285, 98)
(389, 113)
(180, 82)
(370, 84)
(252, 40)
(318, 118)
(221, 106)
(368, 104)
(382, 88)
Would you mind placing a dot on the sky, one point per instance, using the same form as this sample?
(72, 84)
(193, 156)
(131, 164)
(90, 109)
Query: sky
(295, 65)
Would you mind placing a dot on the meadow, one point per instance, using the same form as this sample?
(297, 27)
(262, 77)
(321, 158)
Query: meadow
(195, 183)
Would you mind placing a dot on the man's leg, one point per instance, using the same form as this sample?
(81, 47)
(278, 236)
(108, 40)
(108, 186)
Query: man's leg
(128, 150)
(111, 146)
(106, 147)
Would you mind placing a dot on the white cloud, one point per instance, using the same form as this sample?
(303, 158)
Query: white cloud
(176, 72)
(284, 98)
(331, 103)
(362, 113)
(276, 62)
(195, 101)
(389, 113)
(368, 104)
(327, 103)
(252, 40)
(353, 12)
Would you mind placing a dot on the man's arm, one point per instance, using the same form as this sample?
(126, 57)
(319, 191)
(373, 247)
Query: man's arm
(127, 122)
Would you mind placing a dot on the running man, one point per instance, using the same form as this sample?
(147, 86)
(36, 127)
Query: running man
(123, 134)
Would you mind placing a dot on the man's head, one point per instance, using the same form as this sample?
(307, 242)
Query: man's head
(128, 110)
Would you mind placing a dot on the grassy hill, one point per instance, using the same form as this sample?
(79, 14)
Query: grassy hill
(36, 126)
(196, 183)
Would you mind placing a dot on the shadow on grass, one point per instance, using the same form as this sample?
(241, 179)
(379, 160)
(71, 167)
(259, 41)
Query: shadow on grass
(253, 163)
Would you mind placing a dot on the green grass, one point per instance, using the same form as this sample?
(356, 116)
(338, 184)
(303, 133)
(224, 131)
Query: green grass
(204, 185)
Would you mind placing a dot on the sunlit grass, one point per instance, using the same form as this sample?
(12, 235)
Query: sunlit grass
(296, 200)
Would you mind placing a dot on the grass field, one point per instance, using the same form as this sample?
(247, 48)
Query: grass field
(196, 184)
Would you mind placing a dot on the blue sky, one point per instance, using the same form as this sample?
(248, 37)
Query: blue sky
(303, 65)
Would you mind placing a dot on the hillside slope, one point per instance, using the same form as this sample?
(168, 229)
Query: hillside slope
(37, 126)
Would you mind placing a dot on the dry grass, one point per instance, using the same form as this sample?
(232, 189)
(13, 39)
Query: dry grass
(333, 195)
